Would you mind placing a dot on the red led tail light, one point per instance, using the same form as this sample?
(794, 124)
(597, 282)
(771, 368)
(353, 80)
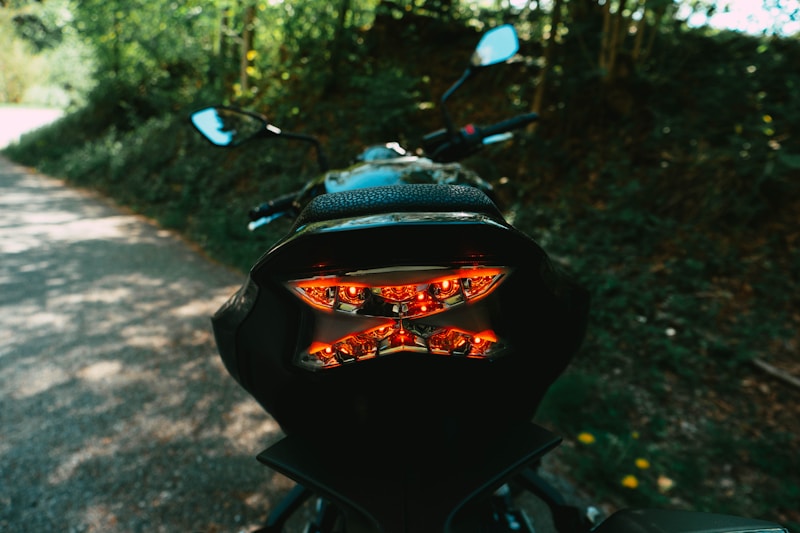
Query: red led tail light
(394, 338)
(406, 300)
(406, 307)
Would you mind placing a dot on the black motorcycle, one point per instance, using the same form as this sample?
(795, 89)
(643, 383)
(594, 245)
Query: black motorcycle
(403, 334)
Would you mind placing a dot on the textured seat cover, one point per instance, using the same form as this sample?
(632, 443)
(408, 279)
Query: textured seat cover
(422, 198)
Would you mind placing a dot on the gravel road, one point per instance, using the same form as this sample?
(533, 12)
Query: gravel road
(116, 414)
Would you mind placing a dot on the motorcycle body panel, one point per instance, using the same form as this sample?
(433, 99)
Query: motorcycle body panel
(409, 483)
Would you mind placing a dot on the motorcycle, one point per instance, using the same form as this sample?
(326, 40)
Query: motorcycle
(403, 333)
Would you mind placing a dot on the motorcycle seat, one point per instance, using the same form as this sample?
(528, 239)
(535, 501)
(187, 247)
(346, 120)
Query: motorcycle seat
(416, 198)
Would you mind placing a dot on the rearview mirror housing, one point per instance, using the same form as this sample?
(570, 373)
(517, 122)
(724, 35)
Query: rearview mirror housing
(223, 126)
(497, 45)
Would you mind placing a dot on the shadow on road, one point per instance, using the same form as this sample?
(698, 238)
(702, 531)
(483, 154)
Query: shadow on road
(117, 414)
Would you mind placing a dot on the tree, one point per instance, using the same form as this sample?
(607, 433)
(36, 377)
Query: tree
(624, 18)
(150, 55)
(247, 51)
(549, 48)
(338, 42)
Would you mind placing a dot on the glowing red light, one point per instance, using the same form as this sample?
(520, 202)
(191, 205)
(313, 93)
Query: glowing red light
(409, 300)
(400, 293)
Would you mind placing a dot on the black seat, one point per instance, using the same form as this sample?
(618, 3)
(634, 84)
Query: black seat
(418, 198)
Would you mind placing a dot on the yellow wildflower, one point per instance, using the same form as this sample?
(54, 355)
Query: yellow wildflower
(642, 463)
(586, 438)
(630, 482)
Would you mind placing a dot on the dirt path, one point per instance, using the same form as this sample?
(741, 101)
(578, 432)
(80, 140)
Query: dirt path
(115, 411)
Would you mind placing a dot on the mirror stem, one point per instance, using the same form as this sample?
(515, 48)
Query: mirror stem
(448, 122)
(322, 160)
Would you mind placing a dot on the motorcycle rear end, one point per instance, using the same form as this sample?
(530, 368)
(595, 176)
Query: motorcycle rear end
(403, 334)
(403, 379)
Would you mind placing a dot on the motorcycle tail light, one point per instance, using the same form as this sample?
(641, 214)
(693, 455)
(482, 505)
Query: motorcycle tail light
(405, 311)
(407, 300)
(394, 338)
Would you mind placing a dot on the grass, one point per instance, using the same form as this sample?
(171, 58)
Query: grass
(665, 378)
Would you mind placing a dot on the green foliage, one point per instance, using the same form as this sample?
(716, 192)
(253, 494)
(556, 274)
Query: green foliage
(42, 27)
(670, 193)
(44, 62)
(151, 57)
(16, 67)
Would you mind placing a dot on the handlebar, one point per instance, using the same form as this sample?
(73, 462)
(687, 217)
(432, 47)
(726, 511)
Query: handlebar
(443, 146)
(269, 211)
(520, 121)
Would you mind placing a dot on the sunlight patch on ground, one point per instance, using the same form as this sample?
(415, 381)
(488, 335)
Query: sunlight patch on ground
(35, 381)
(100, 371)
(249, 428)
(54, 227)
(66, 469)
(42, 320)
(199, 307)
(144, 336)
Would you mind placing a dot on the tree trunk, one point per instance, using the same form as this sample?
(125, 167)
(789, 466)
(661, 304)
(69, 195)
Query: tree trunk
(248, 34)
(615, 27)
(541, 85)
(338, 44)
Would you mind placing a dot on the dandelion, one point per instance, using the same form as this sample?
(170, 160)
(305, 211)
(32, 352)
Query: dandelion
(586, 438)
(630, 482)
(642, 463)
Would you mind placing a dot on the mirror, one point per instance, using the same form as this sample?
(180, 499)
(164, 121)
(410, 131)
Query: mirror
(228, 127)
(497, 45)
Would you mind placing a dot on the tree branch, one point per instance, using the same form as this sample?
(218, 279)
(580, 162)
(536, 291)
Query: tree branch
(774, 371)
